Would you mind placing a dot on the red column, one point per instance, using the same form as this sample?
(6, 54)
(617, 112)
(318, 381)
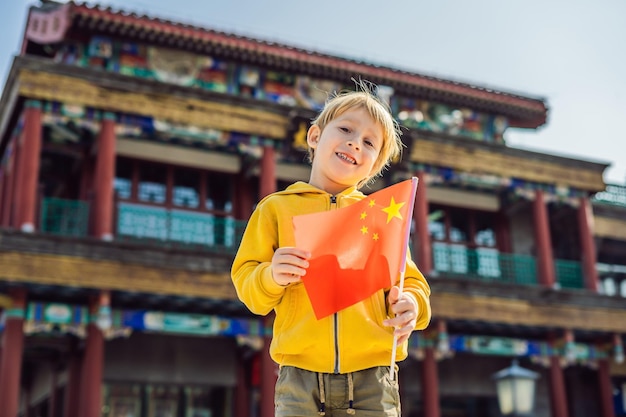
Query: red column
(421, 238)
(545, 260)
(558, 402)
(28, 410)
(606, 389)
(503, 233)
(52, 402)
(3, 187)
(5, 199)
(269, 368)
(244, 200)
(86, 177)
(268, 171)
(242, 390)
(430, 384)
(90, 398)
(18, 175)
(72, 388)
(269, 371)
(169, 186)
(587, 244)
(104, 176)
(12, 350)
(29, 156)
(8, 199)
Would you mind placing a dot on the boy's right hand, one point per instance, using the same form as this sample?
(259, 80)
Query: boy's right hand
(289, 265)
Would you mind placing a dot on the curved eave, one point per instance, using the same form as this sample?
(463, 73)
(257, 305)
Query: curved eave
(522, 111)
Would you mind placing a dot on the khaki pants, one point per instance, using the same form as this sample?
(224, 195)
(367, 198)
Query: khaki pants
(301, 393)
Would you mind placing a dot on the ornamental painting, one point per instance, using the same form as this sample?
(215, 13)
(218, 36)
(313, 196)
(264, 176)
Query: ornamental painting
(213, 75)
(279, 87)
(248, 81)
(174, 66)
(189, 69)
(312, 93)
(441, 118)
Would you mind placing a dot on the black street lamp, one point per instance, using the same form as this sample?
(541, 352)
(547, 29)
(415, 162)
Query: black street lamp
(516, 390)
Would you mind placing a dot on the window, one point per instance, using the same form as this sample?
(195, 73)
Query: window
(152, 182)
(613, 285)
(437, 225)
(206, 402)
(122, 400)
(162, 401)
(218, 193)
(219, 202)
(123, 182)
(186, 205)
(459, 225)
(485, 235)
(186, 191)
(464, 241)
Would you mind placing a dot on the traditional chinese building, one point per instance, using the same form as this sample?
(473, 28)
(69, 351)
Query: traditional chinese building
(133, 149)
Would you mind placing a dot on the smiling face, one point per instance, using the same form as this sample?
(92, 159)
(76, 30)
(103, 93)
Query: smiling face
(346, 150)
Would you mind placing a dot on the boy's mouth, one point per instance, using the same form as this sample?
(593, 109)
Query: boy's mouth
(346, 158)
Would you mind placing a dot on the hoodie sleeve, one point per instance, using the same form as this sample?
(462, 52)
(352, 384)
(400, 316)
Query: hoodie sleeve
(417, 286)
(251, 271)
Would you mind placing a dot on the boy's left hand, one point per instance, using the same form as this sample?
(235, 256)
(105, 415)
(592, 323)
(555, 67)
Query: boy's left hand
(404, 307)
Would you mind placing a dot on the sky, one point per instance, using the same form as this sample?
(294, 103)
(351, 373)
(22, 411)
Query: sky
(572, 53)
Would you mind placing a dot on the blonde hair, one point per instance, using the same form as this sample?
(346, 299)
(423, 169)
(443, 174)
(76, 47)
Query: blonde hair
(341, 102)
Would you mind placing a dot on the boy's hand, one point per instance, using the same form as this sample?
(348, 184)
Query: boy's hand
(289, 265)
(404, 307)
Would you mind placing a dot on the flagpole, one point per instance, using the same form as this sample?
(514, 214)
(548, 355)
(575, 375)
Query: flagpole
(392, 368)
(407, 234)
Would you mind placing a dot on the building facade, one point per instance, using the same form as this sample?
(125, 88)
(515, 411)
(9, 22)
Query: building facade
(133, 149)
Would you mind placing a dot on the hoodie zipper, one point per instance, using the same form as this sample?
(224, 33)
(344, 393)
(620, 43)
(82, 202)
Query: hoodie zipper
(333, 206)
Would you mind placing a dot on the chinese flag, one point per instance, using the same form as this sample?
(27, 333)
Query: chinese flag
(356, 250)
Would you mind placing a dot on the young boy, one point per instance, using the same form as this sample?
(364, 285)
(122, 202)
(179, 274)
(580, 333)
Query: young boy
(340, 363)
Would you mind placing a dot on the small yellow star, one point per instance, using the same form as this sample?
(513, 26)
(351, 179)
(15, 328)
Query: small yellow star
(372, 203)
(364, 230)
(375, 236)
(363, 215)
(393, 210)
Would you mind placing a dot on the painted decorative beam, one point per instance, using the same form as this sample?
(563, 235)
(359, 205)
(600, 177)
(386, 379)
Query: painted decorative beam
(489, 160)
(527, 313)
(169, 107)
(73, 271)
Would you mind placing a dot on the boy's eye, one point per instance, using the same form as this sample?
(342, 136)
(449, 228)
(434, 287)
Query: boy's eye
(344, 129)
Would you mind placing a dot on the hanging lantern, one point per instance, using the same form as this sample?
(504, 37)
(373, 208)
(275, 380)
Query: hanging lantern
(516, 390)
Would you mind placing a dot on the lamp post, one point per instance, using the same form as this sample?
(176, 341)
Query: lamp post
(516, 390)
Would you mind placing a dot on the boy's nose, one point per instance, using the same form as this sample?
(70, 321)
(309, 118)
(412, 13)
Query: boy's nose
(355, 143)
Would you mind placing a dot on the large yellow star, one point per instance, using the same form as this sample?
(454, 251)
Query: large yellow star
(393, 210)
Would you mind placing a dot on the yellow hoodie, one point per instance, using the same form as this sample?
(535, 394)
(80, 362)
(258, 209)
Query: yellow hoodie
(352, 339)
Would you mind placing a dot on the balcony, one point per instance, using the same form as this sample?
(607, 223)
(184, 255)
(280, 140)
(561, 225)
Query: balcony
(614, 195)
(204, 231)
(149, 224)
(64, 217)
(178, 228)
(487, 264)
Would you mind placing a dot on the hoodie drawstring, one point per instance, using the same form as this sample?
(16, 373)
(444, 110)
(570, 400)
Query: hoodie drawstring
(320, 381)
(350, 409)
(322, 410)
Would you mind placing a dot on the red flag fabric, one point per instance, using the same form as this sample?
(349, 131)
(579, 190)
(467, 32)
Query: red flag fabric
(356, 250)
